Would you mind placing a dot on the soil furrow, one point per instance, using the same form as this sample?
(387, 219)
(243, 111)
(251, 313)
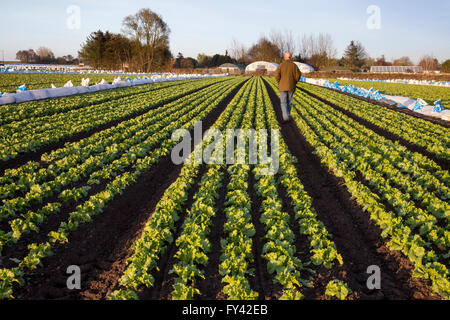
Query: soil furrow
(356, 237)
(263, 282)
(211, 287)
(163, 280)
(101, 247)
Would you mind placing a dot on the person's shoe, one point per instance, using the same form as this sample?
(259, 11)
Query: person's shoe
(286, 121)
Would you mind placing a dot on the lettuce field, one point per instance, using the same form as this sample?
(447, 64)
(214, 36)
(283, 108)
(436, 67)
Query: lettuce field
(88, 183)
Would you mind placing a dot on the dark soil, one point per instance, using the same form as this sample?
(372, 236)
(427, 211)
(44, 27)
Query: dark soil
(20, 250)
(102, 247)
(321, 276)
(263, 282)
(163, 286)
(211, 287)
(357, 238)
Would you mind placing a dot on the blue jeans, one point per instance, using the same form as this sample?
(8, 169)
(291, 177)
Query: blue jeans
(286, 98)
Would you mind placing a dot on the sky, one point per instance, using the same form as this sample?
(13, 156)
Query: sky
(406, 28)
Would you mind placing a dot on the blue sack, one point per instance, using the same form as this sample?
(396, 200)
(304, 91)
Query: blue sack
(129, 79)
(418, 106)
(438, 106)
(22, 88)
(377, 95)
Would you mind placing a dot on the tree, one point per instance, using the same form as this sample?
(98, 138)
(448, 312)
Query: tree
(264, 50)
(93, 50)
(283, 40)
(238, 52)
(151, 34)
(202, 60)
(45, 55)
(429, 63)
(403, 61)
(184, 63)
(318, 61)
(22, 56)
(316, 50)
(105, 50)
(178, 60)
(27, 56)
(369, 62)
(219, 59)
(381, 61)
(354, 55)
(445, 67)
(189, 63)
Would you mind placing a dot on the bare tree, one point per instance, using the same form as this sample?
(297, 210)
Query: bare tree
(317, 50)
(45, 53)
(306, 46)
(428, 63)
(381, 61)
(149, 29)
(403, 61)
(325, 45)
(283, 40)
(238, 51)
(321, 44)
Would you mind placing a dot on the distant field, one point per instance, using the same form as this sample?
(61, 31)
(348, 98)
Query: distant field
(428, 93)
(10, 82)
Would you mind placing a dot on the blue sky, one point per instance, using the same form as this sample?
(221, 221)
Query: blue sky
(412, 28)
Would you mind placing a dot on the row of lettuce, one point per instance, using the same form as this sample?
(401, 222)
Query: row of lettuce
(405, 193)
(432, 137)
(40, 125)
(111, 160)
(415, 91)
(10, 82)
(251, 108)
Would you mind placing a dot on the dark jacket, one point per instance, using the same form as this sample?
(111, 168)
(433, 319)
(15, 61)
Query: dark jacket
(287, 75)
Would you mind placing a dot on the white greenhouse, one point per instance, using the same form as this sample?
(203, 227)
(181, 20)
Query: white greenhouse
(304, 68)
(261, 66)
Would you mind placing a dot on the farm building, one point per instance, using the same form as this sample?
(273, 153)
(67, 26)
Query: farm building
(261, 67)
(230, 68)
(304, 68)
(396, 69)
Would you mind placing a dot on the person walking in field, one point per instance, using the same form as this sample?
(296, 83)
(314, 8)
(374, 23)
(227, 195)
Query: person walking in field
(287, 76)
